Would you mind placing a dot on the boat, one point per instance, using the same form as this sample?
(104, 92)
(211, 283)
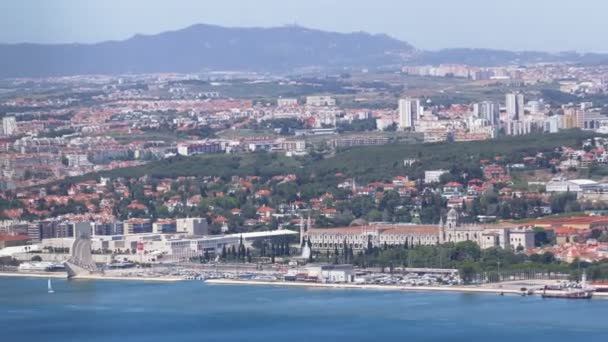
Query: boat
(572, 294)
(584, 292)
(50, 285)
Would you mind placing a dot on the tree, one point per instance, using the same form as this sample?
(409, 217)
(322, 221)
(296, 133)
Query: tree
(345, 251)
(248, 253)
(224, 252)
(263, 249)
(37, 258)
(468, 272)
(541, 237)
(233, 252)
(466, 251)
(336, 254)
(595, 234)
(370, 246)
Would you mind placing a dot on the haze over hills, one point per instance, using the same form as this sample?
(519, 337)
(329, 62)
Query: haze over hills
(206, 47)
(490, 57)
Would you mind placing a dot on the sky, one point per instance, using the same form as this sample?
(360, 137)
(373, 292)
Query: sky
(546, 25)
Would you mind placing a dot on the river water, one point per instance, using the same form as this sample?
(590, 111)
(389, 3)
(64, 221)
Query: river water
(192, 311)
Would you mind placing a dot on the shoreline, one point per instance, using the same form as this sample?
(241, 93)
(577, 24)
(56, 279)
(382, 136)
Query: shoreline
(460, 289)
(57, 275)
(363, 286)
(60, 275)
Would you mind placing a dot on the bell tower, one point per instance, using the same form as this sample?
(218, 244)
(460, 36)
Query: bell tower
(452, 219)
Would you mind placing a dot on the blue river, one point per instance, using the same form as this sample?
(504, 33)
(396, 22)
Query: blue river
(193, 311)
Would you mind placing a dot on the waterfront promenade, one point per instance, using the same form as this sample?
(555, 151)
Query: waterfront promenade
(488, 288)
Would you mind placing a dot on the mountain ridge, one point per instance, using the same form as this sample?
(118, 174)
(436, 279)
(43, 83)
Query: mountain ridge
(205, 47)
(202, 47)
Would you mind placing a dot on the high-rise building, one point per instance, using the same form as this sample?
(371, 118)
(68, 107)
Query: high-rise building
(535, 106)
(409, 112)
(488, 111)
(573, 118)
(515, 106)
(9, 125)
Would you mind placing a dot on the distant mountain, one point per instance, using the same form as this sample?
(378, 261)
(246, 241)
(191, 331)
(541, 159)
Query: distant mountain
(205, 47)
(489, 57)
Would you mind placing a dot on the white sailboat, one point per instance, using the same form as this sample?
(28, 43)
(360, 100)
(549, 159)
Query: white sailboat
(50, 285)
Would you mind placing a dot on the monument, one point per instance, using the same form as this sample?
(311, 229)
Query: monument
(81, 261)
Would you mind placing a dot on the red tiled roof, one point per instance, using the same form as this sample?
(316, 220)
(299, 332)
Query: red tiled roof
(14, 237)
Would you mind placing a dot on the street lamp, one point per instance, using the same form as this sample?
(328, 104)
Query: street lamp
(498, 263)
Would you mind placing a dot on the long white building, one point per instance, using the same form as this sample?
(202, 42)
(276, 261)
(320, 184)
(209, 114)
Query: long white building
(485, 235)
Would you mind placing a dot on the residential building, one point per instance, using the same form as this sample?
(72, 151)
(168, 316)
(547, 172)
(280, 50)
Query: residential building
(487, 111)
(286, 102)
(137, 226)
(560, 184)
(515, 107)
(320, 101)
(191, 148)
(164, 226)
(9, 125)
(409, 112)
(433, 176)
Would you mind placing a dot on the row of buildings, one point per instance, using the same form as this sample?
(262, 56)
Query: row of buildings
(484, 120)
(507, 236)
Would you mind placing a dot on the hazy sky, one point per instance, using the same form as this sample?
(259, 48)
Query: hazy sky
(551, 25)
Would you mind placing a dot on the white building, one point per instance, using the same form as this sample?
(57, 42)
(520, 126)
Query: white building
(433, 176)
(331, 273)
(553, 124)
(409, 112)
(504, 235)
(281, 102)
(515, 107)
(560, 184)
(198, 147)
(487, 111)
(486, 236)
(78, 160)
(535, 106)
(9, 125)
(320, 101)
